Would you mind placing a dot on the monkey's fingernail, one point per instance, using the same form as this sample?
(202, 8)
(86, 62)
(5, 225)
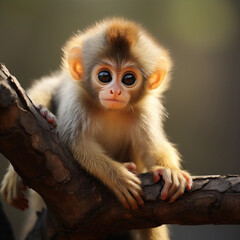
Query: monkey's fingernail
(135, 208)
(164, 196)
(156, 177)
(44, 114)
(141, 193)
(126, 205)
(50, 120)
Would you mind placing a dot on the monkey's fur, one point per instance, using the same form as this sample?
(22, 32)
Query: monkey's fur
(107, 124)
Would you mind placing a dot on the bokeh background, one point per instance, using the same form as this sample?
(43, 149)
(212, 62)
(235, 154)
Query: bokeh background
(204, 100)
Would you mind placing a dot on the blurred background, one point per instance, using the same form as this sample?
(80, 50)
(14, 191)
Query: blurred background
(204, 99)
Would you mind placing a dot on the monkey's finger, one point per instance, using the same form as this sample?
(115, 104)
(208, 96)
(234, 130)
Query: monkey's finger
(175, 185)
(136, 186)
(131, 200)
(156, 175)
(180, 190)
(167, 177)
(122, 199)
(39, 106)
(43, 111)
(133, 180)
(51, 119)
(138, 197)
(131, 167)
(188, 178)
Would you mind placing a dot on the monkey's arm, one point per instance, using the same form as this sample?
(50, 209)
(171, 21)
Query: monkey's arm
(113, 174)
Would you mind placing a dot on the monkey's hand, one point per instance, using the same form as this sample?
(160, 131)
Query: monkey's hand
(176, 181)
(45, 113)
(12, 190)
(127, 188)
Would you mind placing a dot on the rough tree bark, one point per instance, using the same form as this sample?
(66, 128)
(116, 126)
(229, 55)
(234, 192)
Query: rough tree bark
(79, 206)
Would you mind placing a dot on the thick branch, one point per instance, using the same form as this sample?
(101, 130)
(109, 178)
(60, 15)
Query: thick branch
(79, 206)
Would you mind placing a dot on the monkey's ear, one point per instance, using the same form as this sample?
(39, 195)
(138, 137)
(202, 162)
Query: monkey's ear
(75, 63)
(156, 78)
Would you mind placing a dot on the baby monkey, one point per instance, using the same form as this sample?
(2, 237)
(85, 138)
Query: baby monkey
(107, 101)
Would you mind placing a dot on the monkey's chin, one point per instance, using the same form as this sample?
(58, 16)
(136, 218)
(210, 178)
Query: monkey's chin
(113, 103)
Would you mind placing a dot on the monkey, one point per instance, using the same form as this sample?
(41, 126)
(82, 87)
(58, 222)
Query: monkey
(107, 99)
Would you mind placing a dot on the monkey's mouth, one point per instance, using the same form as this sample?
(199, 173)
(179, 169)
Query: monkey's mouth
(113, 100)
(113, 103)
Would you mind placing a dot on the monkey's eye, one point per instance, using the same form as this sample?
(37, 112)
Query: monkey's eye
(128, 79)
(104, 76)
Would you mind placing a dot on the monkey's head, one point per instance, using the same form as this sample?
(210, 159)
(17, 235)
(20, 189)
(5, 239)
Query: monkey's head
(118, 63)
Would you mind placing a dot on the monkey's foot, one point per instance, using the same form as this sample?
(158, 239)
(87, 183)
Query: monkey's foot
(12, 190)
(176, 181)
(45, 113)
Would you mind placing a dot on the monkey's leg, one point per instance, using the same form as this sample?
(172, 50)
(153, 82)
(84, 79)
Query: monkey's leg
(12, 189)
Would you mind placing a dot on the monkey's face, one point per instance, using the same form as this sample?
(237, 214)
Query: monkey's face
(116, 85)
(110, 62)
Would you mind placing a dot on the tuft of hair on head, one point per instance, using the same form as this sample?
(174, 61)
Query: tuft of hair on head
(121, 33)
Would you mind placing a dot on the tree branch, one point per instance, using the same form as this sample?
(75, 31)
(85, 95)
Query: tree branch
(80, 206)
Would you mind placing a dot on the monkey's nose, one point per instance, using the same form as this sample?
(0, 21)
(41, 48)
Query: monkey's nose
(115, 92)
